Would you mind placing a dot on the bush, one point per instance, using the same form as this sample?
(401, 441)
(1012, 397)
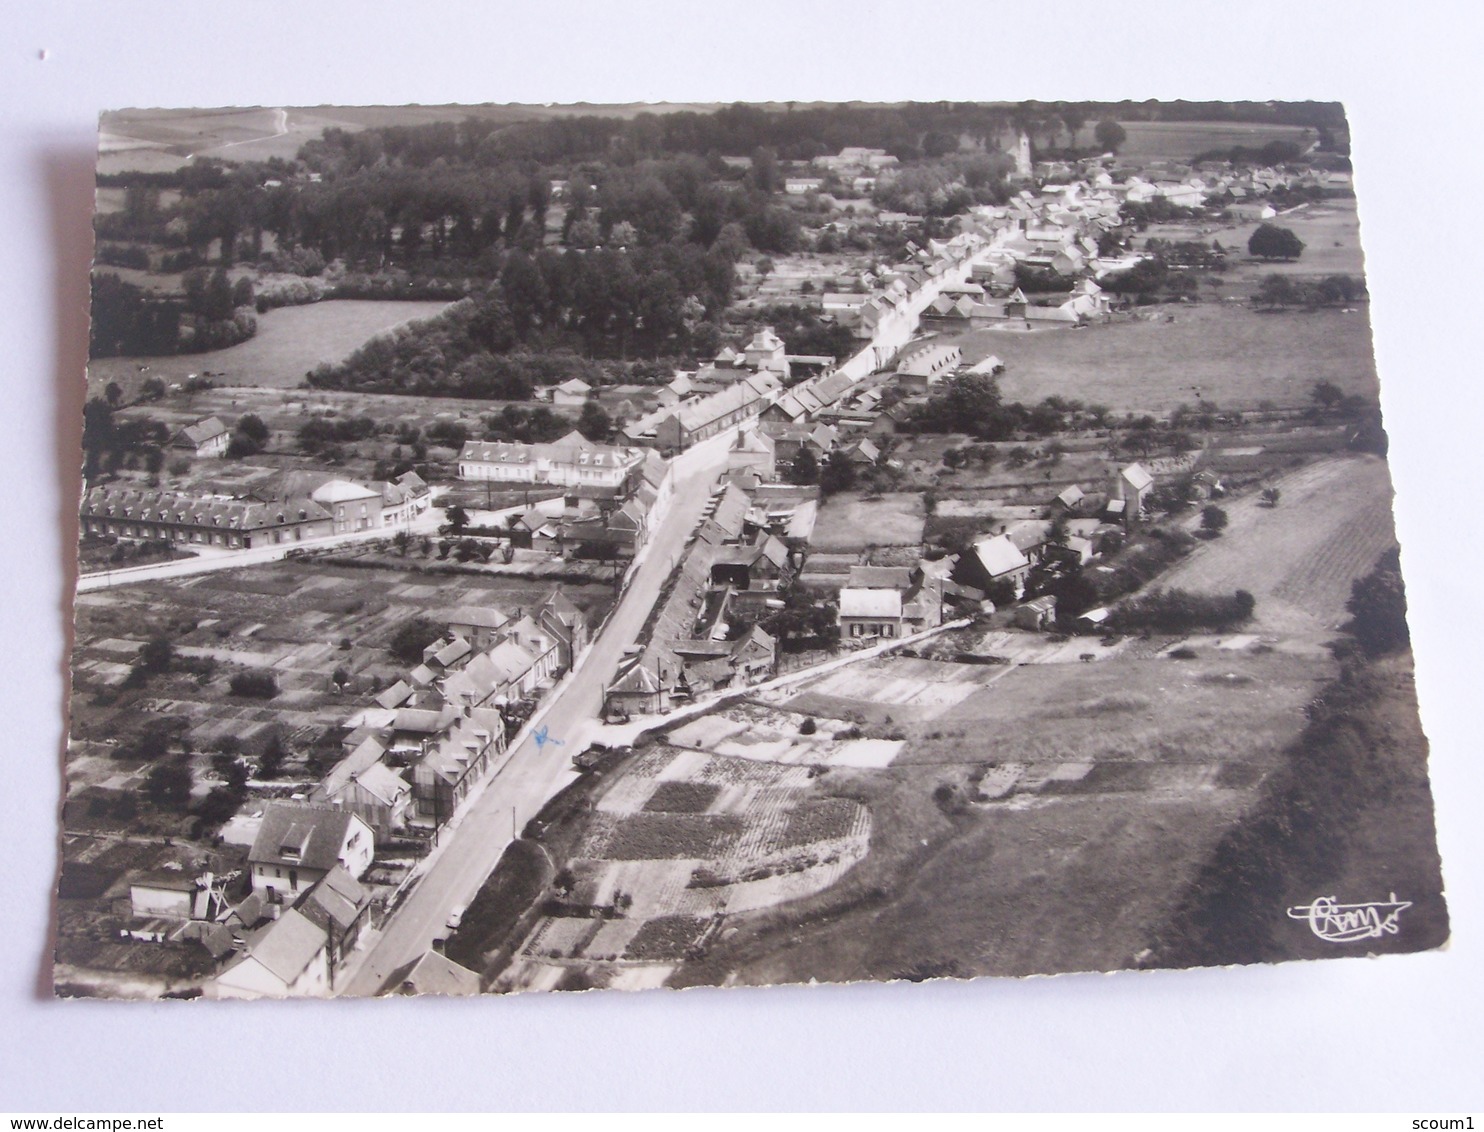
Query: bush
(1213, 519)
(1178, 611)
(254, 685)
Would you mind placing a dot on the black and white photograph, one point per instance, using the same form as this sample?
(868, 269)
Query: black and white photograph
(555, 548)
(680, 558)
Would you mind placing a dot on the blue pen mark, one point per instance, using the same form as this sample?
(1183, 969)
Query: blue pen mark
(541, 738)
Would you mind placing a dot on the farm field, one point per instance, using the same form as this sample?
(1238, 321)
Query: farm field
(1234, 355)
(1181, 141)
(1330, 232)
(679, 843)
(849, 521)
(1076, 848)
(158, 140)
(290, 341)
(1298, 559)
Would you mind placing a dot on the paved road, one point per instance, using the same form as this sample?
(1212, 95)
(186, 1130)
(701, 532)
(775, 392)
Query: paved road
(533, 773)
(213, 558)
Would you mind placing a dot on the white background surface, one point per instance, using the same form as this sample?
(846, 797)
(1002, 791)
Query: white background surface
(1400, 1034)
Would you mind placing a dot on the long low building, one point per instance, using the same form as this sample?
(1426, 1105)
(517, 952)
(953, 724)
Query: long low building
(209, 520)
(673, 429)
(572, 461)
(287, 508)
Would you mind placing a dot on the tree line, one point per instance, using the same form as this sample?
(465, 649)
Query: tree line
(211, 314)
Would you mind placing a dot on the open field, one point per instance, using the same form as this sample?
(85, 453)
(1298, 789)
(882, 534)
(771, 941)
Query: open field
(290, 341)
(1230, 353)
(1079, 845)
(158, 140)
(1299, 558)
(1330, 232)
(680, 840)
(849, 521)
(1393, 839)
(1181, 141)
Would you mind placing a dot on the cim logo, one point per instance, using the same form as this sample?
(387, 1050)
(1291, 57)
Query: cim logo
(1346, 923)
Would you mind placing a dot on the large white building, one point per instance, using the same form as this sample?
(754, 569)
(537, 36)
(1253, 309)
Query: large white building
(572, 461)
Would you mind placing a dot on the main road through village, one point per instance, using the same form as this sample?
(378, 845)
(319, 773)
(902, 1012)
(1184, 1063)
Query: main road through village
(534, 771)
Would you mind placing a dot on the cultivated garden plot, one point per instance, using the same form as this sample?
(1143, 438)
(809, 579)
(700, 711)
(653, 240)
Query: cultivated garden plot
(653, 881)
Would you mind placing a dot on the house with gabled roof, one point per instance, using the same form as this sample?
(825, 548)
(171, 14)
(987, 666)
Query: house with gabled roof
(635, 690)
(419, 495)
(752, 450)
(725, 519)
(368, 788)
(567, 625)
(446, 655)
(869, 613)
(449, 769)
(1131, 485)
(480, 625)
(761, 567)
(287, 959)
(207, 437)
(572, 392)
(299, 843)
(340, 906)
(993, 561)
(432, 973)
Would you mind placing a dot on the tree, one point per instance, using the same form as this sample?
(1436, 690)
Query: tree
(967, 402)
(594, 422)
(458, 519)
(838, 474)
(1271, 495)
(1273, 242)
(1378, 606)
(1326, 394)
(805, 467)
(168, 784)
(114, 394)
(251, 426)
(1275, 291)
(1073, 119)
(1213, 519)
(156, 655)
(1110, 135)
(275, 751)
(408, 642)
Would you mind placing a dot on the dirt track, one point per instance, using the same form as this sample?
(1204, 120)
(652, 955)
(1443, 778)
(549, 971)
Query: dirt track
(1299, 558)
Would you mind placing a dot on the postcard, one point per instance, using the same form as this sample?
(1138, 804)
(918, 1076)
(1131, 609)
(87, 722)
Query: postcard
(621, 547)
